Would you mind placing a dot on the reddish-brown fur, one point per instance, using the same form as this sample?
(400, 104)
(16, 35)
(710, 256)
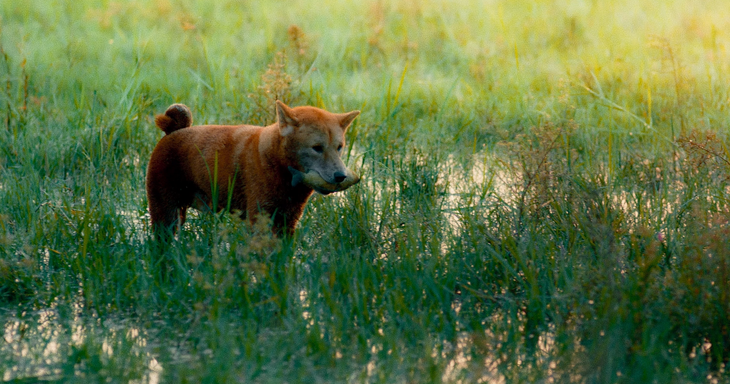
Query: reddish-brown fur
(242, 167)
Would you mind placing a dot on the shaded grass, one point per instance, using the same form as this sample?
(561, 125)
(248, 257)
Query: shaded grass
(545, 194)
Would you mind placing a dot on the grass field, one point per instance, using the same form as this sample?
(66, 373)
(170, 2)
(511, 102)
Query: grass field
(545, 194)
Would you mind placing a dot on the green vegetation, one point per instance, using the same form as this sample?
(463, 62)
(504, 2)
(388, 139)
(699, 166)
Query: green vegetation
(545, 193)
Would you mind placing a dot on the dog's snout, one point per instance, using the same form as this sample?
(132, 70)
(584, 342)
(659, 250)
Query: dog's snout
(340, 177)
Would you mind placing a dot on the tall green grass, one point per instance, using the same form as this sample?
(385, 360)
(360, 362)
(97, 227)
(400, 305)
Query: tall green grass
(545, 193)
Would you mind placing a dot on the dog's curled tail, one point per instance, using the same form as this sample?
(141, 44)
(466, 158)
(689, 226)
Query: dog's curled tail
(176, 117)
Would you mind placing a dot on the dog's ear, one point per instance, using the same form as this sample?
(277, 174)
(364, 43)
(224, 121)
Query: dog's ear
(347, 118)
(287, 121)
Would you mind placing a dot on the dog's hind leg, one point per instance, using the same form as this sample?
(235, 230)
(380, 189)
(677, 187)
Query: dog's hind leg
(168, 203)
(165, 218)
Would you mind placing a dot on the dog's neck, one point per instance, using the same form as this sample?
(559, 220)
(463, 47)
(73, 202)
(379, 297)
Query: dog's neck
(270, 143)
(272, 149)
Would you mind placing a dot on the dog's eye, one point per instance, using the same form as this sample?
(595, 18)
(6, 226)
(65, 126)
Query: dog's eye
(339, 148)
(318, 148)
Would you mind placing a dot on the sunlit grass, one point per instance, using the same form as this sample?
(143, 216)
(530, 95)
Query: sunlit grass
(544, 197)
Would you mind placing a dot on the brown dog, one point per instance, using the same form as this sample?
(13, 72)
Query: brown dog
(244, 168)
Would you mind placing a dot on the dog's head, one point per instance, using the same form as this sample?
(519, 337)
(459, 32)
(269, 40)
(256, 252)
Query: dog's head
(314, 139)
